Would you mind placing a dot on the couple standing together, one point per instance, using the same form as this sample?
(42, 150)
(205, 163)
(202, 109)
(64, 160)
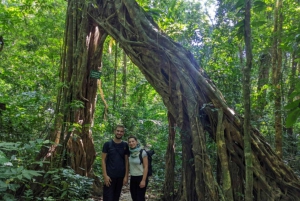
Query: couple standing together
(117, 159)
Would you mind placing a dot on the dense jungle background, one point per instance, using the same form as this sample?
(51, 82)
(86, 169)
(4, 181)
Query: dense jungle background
(32, 35)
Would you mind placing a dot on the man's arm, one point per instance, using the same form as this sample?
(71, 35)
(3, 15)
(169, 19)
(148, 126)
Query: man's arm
(107, 179)
(125, 181)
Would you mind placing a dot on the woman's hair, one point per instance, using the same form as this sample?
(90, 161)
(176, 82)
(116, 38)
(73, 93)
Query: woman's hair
(132, 137)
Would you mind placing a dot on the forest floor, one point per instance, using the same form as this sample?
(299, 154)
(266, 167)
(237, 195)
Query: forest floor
(151, 194)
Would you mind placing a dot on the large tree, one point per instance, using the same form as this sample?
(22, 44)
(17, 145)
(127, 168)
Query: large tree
(189, 95)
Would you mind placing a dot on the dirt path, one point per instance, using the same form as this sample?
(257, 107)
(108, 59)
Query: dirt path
(125, 195)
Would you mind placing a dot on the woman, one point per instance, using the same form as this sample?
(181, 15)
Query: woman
(138, 170)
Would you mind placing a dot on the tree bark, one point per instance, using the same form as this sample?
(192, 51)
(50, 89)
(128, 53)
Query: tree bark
(292, 141)
(82, 53)
(276, 75)
(105, 110)
(115, 77)
(1, 43)
(170, 162)
(263, 79)
(124, 79)
(223, 158)
(247, 104)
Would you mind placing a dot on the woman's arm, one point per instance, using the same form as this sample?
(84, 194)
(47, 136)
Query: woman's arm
(145, 172)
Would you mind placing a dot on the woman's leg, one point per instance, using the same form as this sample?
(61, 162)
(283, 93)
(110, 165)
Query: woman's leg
(141, 192)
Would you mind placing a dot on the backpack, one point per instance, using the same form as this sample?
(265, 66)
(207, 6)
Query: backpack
(149, 155)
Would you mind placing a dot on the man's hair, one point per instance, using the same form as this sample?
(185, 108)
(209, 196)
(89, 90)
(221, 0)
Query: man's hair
(119, 126)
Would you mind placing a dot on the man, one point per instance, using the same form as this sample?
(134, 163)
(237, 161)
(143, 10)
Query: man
(115, 165)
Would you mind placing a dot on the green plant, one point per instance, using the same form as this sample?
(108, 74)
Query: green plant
(13, 173)
(78, 186)
(293, 108)
(28, 195)
(66, 185)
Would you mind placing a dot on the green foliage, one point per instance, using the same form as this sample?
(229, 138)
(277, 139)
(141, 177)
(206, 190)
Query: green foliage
(25, 116)
(32, 32)
(293, 108)
(14, 163)
(66, 185)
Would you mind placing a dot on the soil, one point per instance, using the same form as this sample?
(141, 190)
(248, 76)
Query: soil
(151, 194)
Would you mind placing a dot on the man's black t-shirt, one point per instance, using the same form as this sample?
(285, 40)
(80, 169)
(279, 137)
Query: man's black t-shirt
(115, 159)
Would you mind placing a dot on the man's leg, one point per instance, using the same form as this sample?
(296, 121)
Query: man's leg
(108, 192)
(118, 188)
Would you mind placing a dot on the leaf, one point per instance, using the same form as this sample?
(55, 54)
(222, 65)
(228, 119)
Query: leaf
(258, 23)
(13, 187)
(28, 174)
(239, 4)
(3, 184)
(259, 3)
(46, 142)
(240, 29)
(35, 173)
(10, 146)
(294, 94)
(292, 118)
(3, 158)
(63, 194)
(293, 105)
(240, 33)
(259, 6)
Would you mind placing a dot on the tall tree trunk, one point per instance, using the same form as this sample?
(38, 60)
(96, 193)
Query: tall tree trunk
(105, 110)
(124, 78)
(263, 79)
(1, 43)
(247, 105)
(82, 52)
(223, 158)
(276, 75)
(292, 140)
(170, 162)
(192, 99)
(115, 77)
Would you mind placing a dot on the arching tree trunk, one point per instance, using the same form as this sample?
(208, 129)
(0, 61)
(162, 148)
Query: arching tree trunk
(192, 99)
